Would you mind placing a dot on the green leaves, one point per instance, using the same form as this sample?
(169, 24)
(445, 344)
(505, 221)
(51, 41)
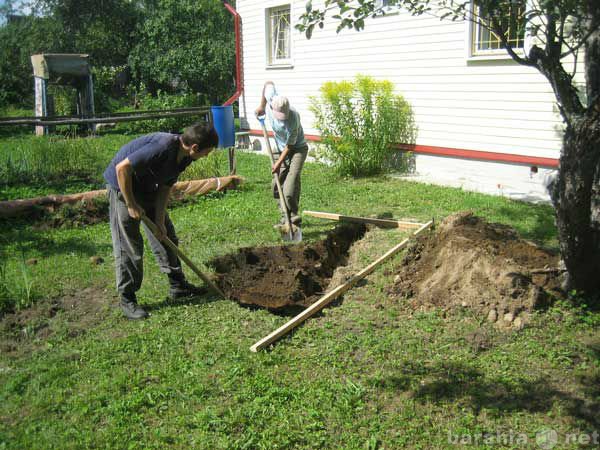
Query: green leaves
(359, 121)
(186, 44)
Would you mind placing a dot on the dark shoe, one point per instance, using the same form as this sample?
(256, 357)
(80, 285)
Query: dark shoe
(131, 310)
(185, 289)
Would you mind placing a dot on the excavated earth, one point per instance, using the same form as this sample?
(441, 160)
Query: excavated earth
(286, 277)
(486, 267)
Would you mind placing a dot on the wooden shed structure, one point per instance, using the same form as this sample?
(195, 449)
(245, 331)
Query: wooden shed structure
(64, 69)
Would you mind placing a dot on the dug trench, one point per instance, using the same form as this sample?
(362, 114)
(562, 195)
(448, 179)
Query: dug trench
(288, 278)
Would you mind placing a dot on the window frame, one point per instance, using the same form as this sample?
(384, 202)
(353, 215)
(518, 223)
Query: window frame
(271, 62)
(493, 54)
(388, 9)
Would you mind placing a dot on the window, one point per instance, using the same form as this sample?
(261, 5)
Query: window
(486, 42)
(279, 48)
(386, 7)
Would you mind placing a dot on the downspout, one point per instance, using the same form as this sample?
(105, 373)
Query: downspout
(239, 76)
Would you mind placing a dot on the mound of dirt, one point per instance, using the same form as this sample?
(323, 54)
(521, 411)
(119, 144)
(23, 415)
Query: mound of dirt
(284, 277)
(470, 263)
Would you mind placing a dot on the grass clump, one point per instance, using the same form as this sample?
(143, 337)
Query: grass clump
(42, 159)
(17, 289)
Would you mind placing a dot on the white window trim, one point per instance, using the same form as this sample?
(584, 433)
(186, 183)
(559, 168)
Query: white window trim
(491, 55)
(287, 63)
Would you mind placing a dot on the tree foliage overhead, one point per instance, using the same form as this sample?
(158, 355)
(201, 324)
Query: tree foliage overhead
(185, 43)
(171, 45)
(19, 39)
(101, 28)
(559, 30)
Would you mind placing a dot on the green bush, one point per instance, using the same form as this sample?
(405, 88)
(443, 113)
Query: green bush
(359, 122)
(106, 91)
(145, 101)
(63, 99)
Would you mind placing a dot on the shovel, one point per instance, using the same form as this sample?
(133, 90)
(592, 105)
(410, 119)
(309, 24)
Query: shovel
(289, 232)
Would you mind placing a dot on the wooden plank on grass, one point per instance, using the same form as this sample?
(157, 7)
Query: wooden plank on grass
(332, 295)
(384, 223)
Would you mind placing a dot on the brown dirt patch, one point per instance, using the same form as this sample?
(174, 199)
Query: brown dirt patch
(470, 263)
(65, 317)
(285, 277)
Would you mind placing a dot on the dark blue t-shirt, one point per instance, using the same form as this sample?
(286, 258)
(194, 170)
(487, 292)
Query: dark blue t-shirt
(153, 158)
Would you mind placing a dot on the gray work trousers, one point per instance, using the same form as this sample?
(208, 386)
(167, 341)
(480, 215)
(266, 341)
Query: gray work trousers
(128, 245)
(290, 178)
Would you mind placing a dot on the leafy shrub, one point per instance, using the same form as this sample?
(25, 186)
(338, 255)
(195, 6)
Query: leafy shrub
(107, 89)
(145, 101)
(359, 122)
(64, 99)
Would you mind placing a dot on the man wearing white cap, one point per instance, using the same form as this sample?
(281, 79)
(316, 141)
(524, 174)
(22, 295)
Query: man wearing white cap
(291, 146)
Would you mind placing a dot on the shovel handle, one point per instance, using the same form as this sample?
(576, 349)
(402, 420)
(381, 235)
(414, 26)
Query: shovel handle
(169, 243)
(277, 181)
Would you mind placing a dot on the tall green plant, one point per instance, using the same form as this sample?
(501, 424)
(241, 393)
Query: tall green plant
(50, 159)
(359, 122)
(16, 286)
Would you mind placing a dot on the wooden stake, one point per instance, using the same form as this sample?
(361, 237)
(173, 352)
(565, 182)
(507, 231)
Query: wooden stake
(335, 293)
(384, 223)
(169, 243)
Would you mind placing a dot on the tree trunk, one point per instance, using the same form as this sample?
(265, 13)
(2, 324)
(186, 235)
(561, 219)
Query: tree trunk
(576, 194)
(575, 198)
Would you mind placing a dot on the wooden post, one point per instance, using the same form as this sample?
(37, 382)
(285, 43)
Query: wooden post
(41, 104)
(231, 153)
(88, 101)
(332, 295)
(384, 223)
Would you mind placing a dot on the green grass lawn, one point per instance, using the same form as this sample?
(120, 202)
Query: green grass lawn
(366, 374)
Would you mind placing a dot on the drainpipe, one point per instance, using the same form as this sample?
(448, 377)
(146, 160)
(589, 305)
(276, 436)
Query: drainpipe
(239, 76)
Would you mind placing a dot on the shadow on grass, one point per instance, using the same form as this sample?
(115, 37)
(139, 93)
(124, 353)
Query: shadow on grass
(543, 229)
(469, 386)
(188, 301)
(27, 240)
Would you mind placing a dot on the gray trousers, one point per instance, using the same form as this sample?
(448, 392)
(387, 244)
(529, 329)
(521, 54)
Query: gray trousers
(128, 245)
(290, 178)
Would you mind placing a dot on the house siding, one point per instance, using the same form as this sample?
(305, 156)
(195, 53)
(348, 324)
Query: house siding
(458, 102)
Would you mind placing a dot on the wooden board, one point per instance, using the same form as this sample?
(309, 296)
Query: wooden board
(384, 223)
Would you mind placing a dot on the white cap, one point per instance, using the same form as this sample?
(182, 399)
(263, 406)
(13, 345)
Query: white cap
(281, 107)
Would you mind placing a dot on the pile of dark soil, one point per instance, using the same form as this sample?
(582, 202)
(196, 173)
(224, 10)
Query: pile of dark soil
(470, 263)
(285, 277)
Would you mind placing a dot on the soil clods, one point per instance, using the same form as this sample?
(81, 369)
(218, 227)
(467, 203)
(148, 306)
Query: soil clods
(288, 276)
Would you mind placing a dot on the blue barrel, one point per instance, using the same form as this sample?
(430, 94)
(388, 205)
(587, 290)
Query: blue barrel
(223, 123)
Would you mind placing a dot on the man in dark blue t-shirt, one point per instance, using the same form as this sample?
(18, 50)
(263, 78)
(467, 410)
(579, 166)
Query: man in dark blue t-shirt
(139, 180)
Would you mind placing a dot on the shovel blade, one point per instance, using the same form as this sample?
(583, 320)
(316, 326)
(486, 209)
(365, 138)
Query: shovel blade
(294, 236)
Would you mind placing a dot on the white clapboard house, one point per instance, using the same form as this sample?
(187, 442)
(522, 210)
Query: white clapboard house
(485, 122)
